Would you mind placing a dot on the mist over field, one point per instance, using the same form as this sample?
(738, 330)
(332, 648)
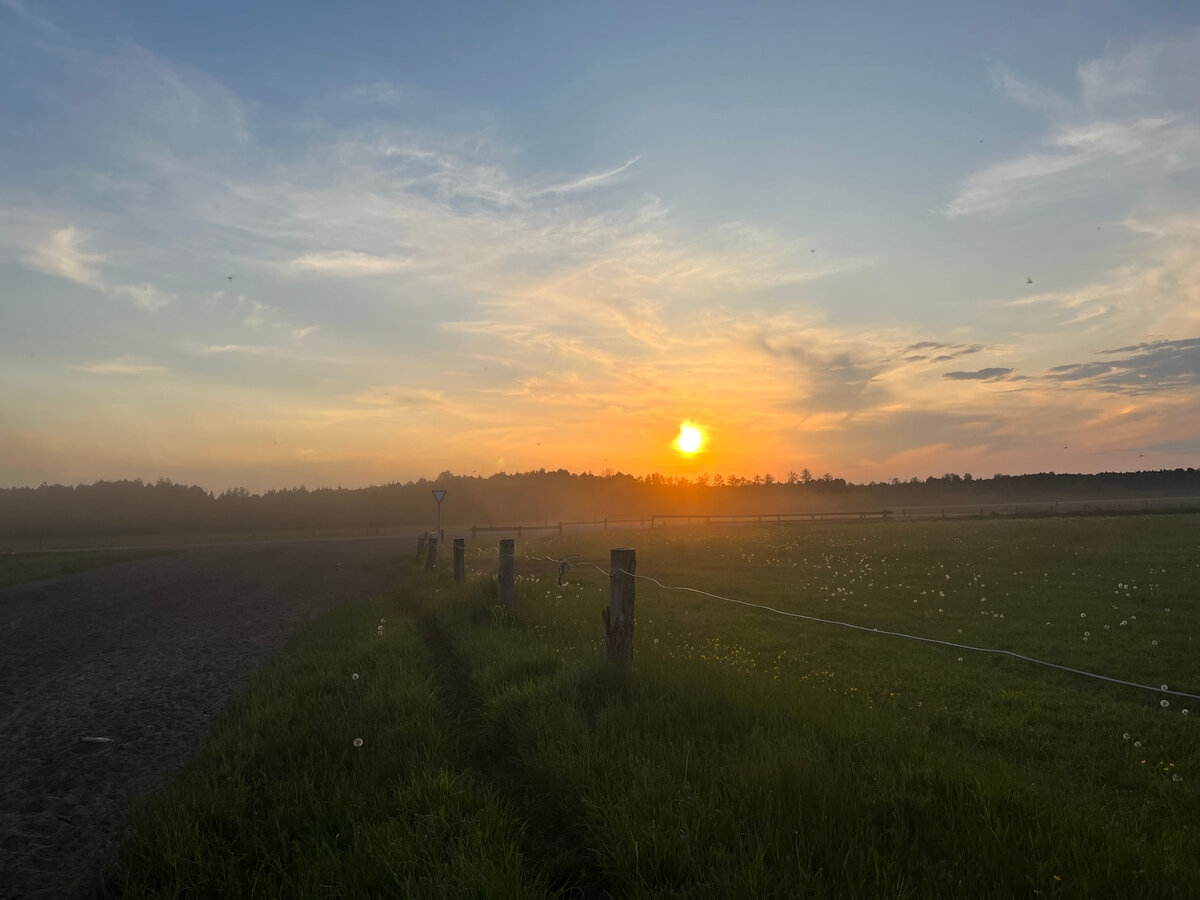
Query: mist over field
(534, 498)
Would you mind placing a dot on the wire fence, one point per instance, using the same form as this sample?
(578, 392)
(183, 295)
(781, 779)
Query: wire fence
(1006, 509)
(565, 564)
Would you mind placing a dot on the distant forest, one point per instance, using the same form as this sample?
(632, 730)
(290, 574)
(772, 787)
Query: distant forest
(164, 507)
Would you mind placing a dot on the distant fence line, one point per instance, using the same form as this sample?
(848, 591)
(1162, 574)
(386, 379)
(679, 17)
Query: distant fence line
(963, 510)
(560, 527)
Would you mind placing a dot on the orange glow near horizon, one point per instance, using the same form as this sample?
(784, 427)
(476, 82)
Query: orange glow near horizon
(690, 439)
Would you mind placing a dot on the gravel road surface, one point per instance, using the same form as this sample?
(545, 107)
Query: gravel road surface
(149, 652)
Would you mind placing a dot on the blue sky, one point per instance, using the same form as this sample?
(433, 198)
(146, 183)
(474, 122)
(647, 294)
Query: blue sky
(499, 237)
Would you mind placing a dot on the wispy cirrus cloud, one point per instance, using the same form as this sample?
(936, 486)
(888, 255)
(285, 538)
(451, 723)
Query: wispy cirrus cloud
(1087, 150)
(583, 182)
(348, 264)
(62, 255)
(1135, 119)
(123, 365)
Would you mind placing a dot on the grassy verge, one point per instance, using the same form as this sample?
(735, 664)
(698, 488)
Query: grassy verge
(18, 568)
(282, 802)
(747, 754)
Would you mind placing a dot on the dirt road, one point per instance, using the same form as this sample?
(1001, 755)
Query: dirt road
(150, 653)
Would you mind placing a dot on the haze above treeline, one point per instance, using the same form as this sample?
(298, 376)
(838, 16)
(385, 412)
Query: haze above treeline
(138, 507)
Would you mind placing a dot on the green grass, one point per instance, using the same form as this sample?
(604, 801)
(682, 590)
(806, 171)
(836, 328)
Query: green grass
(747, 754)
(18, 568)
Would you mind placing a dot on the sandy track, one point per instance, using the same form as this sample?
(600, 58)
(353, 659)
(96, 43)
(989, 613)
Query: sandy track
(149, 652)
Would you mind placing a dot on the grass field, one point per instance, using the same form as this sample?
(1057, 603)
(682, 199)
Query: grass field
(748, 754)
(18, 568)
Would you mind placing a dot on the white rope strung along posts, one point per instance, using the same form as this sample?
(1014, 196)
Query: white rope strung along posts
(565, 563)
(925, 640)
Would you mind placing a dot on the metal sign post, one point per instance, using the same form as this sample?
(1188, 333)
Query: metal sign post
(438, 495)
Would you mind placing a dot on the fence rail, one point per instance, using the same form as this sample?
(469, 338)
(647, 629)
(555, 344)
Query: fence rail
(944, 511)
(560, 527)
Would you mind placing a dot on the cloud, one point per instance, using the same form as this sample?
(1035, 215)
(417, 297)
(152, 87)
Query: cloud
(1102, 137)
(1091, 150)
(584, 182)
(249, 349)
(383, 92)
(349, 264)
(950, 351)
(40, 23)
(400, 396)
(1157, 367)
(881, 435)
(1027, 93)
(1155, 74)
(62, 255)
(994, 373)
(144, 296)
(124, 365)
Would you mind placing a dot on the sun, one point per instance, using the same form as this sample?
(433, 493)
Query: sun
(690, 439)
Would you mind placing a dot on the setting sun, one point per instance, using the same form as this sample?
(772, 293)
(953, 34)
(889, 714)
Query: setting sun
(690, 438)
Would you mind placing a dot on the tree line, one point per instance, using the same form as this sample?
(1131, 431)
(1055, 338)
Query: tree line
(165, 507)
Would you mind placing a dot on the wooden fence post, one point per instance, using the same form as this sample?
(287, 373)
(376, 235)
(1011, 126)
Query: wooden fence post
(431, 554)
(504, 581)
(421, 546)
(618, 618)
(460, 559)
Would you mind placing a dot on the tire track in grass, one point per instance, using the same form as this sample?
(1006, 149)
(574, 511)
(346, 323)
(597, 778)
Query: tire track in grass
(554, 845)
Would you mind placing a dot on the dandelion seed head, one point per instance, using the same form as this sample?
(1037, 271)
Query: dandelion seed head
(1125, 735)
(358, 742)
(1162, 687)
(1164, 703)
(355, 676)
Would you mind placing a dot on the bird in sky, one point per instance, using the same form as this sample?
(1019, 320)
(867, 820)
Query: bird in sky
(812, 251)
(229, 278)
(1028, 280)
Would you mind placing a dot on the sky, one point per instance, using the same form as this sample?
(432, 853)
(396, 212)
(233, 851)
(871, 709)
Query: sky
(265, 245)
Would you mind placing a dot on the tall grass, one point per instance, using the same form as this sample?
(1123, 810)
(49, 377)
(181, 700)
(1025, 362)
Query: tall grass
(746, 754)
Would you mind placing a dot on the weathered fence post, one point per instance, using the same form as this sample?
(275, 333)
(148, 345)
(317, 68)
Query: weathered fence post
(460, 559)
(618, 618)
(504, 581)
(431, 554)
(421, 546)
